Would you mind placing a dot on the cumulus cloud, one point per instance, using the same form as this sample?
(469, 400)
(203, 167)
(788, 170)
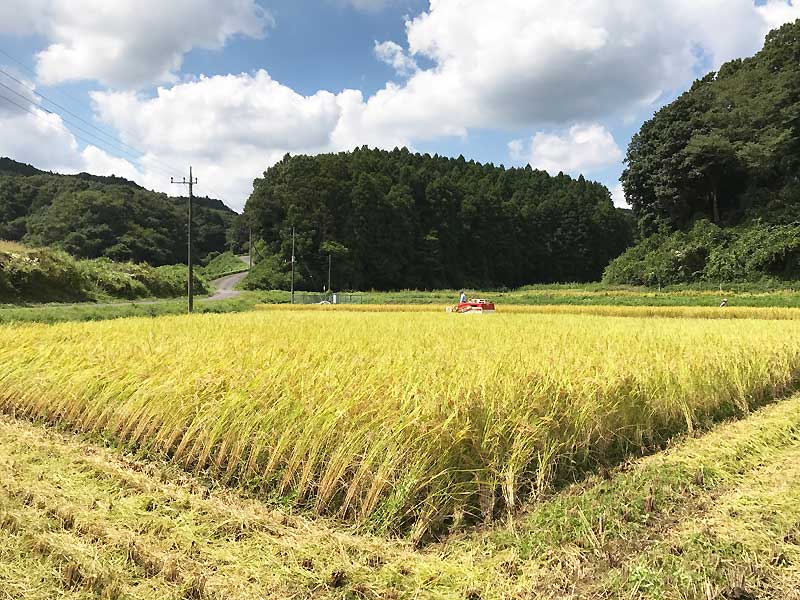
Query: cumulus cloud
(31, 134)
(583, 148)
(127, 43)
(618, 196)
(231, 127)
(778, 12)
(516, 62)
(21, 16)
(394, 56)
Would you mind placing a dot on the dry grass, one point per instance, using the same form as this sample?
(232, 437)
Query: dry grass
(14, 247)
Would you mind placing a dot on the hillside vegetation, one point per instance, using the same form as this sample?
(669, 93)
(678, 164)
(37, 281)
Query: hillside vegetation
(397, 220)
(713, 176)
(223, 264)
(92, 217)
(48, 275)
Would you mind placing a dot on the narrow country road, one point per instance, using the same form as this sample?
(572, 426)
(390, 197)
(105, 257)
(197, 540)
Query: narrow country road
(224, 285)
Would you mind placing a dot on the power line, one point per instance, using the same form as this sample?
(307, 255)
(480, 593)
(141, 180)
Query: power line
(39, 116)
(64, 93)
(97, 140)
(66, 110)
(116, 145)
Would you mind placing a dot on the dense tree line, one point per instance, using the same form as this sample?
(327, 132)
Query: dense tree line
(727, 147)
(728, 152)
(394, 219)
(91, 217)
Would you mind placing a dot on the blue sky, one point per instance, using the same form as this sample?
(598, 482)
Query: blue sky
(231, 85)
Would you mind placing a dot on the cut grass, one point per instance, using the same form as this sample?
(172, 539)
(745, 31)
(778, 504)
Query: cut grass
(712, 517)
(405, 423)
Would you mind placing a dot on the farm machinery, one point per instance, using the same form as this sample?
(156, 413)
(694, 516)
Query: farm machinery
(472, 306)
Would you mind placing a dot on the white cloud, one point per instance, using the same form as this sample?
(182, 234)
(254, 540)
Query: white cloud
(229, 127)
(394, 56)
(511, 63)
(21, 16)
(129, 43)
(618, 196)
(778, 12)
(32, 135)
(581, 149)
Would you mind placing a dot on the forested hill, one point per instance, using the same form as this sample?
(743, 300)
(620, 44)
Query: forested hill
(91, 216)
(392, 220)
(714, 177)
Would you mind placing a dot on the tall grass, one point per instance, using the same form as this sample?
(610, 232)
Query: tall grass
(403, 422)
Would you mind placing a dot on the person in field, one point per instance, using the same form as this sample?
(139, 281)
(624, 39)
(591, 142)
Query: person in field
(462, 298)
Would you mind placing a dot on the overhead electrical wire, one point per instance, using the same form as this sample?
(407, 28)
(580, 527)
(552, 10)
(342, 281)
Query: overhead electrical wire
(113, 144)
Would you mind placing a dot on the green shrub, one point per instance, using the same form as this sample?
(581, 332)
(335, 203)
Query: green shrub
(48, 275)
(706, 253)
(272, 274)
(40, 275)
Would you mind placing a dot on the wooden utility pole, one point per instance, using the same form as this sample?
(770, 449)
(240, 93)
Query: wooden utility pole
(250, 249)
(292, 265)
(329, 274)
(190, 284)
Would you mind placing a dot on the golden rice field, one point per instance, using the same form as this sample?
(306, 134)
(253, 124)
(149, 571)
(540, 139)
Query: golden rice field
(672, 312)
(402, 421)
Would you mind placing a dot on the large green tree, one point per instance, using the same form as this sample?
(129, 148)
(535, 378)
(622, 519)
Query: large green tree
(725, 147)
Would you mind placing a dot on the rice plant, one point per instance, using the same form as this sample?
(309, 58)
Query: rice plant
(400, 421)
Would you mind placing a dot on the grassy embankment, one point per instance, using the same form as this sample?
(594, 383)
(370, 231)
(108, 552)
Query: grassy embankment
(713, 517)
(224, 264)
(46, 275)
(412, 424)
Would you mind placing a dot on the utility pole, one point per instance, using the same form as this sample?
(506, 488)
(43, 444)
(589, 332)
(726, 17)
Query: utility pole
(292, 265)
(250, 249)
(329, 274)
(190, 285)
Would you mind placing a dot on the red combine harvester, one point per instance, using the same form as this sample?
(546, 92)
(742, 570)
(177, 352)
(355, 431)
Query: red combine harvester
(472, 306)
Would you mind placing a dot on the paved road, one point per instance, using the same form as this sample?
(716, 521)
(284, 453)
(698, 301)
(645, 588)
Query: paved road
(224, 285)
